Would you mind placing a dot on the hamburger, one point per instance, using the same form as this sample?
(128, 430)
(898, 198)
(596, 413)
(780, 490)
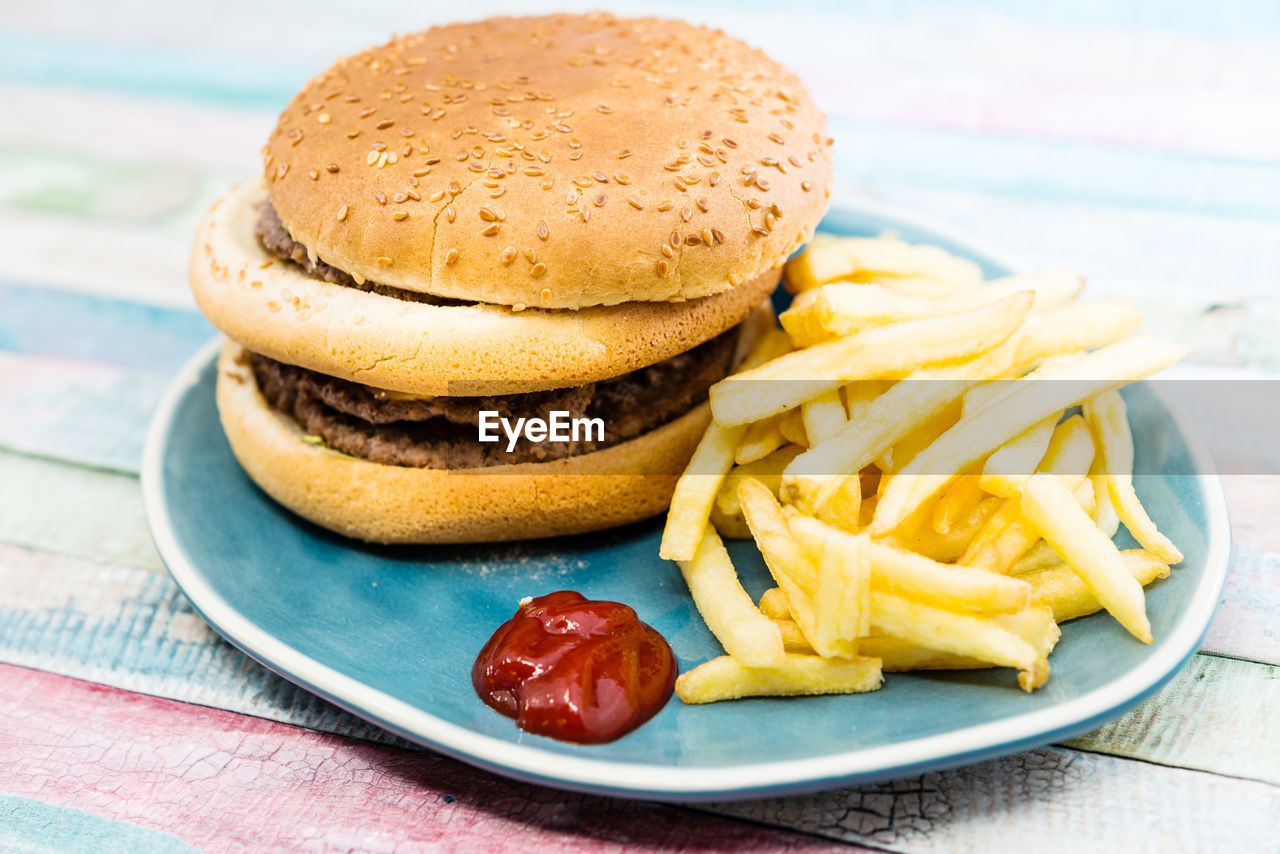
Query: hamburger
(573, 216)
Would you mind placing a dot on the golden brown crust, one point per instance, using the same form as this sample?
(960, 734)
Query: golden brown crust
(395, 504)
(274, 308)
(548, 162)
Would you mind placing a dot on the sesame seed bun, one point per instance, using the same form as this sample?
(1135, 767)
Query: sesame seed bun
(274, 308)
(395, 504)
(557, 162)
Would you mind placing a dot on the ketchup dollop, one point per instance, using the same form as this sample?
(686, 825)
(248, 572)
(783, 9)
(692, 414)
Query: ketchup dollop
(574, 669)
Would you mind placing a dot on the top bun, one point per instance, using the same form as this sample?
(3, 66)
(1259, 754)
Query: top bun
(556, 162)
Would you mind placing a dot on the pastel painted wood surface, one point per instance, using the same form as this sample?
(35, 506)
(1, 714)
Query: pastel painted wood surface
(1151, 169)
(226, 782)
(133, 629)
(1050, 799)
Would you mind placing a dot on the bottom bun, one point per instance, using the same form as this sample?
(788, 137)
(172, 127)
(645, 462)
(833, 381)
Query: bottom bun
(395, 504)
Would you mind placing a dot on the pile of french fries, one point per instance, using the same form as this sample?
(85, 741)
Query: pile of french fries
(906, 456)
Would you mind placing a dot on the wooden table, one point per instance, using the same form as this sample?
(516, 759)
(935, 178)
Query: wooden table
(1137, 144)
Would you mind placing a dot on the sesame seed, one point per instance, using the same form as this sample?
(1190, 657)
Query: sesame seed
(384, 124)
(667, 250)
(533, 171)
(451, 257)
(342, 213)
(450, 214)
(701, 201)
(760, 232)
(437, 196)
(383, 261)
(601, 177)
(663, 269)
(635, 203)
(400, 216)
(707, 237)
(531, 256)
(315, 176)
(508, 255)
(665, 205)
(543, 231)
(371, 159)
(487, 215)
(675, 239)
(718, 235)
(491, 230)
(413, 194)
(380, 196)
(733, 280)
(600, 200)
(582, 181)
(331, 168)
(624, 154)
(775, 210)
(693, 240)
(806, 185)
(538, 271)
(686, 213)
(353, 133)
(622, 178)
(400, 197)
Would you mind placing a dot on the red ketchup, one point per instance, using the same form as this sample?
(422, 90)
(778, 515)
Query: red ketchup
(574, 669)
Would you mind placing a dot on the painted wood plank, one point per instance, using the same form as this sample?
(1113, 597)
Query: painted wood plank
(32, 826)
(1051, 799)
(76, 411)
(74, 511)
(128, 334)
(133, 629)
(1218, 714)
(226, 782)
(1000, 67)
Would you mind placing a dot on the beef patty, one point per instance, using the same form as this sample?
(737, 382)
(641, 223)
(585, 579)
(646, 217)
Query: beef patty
(443, 432)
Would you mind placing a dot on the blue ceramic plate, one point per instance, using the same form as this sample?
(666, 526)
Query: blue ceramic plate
(390, 633)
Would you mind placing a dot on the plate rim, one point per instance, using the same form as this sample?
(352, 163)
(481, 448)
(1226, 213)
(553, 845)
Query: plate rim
(682, 783)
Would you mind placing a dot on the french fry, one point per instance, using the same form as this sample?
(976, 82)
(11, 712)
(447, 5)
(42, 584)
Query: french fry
(1011, 463)
(790, 380)
(1039, 556)
(791, 426)
(958, 634)
(873, 258)
(958, 588)
(896, 656)
(696, 490)
(1076, 326)
(782, 554)
(956, 502)
(858, 396)
(760, 440)
(842, 600)
(823, 417)
(794, 568)
(814, 476)
(767, 470)
(724, 678)
(773, 604)
(1108, 418)
(1035, 400)
(1048, 504)
(842, 308)
(746, 634)
(919, 536)
(1036, 626)
(1008, 535)
(1060, 589)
